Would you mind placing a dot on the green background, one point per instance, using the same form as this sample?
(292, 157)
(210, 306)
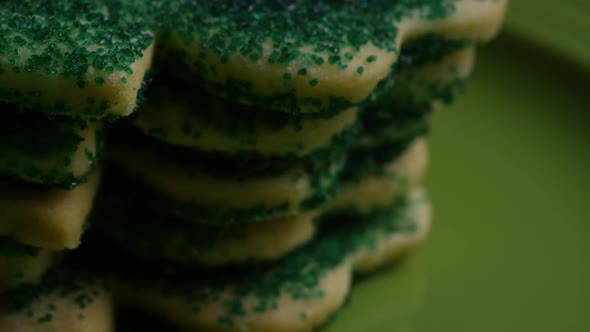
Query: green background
(511, 188)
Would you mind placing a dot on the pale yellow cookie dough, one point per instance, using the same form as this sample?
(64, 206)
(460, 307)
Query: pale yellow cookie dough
(121, 96)
(48, 218)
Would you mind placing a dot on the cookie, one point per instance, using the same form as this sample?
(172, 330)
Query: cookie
(46, 217)
(22, 264)
(205, 123)
(407, 101)
(379, 187)
(58, 151)
(86, 59)
(308, 57)
(296, 294)
(153, 236)
(192, 192)
(59, 303)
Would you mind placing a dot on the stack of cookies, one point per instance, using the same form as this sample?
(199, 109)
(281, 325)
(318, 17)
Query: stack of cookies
(277, 151)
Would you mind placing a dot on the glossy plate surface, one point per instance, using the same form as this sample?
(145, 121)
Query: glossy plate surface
(510, 181)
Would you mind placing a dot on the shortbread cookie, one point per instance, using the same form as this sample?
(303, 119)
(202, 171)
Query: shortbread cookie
(62, 303)
(189, 190)
(429, 85)
(85, 59)
(205, 123)
(58, 151)
(407, 100)
(307, 56)
(46, 217)
(298, 293)
(22, 264)
(155, 236)
(379, 187)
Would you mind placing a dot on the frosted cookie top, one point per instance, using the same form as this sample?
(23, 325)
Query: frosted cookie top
(81, 58)
(87, 59)
(309, 56)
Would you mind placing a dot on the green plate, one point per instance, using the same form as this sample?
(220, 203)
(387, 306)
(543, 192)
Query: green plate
(560, 26)
(510, 181)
